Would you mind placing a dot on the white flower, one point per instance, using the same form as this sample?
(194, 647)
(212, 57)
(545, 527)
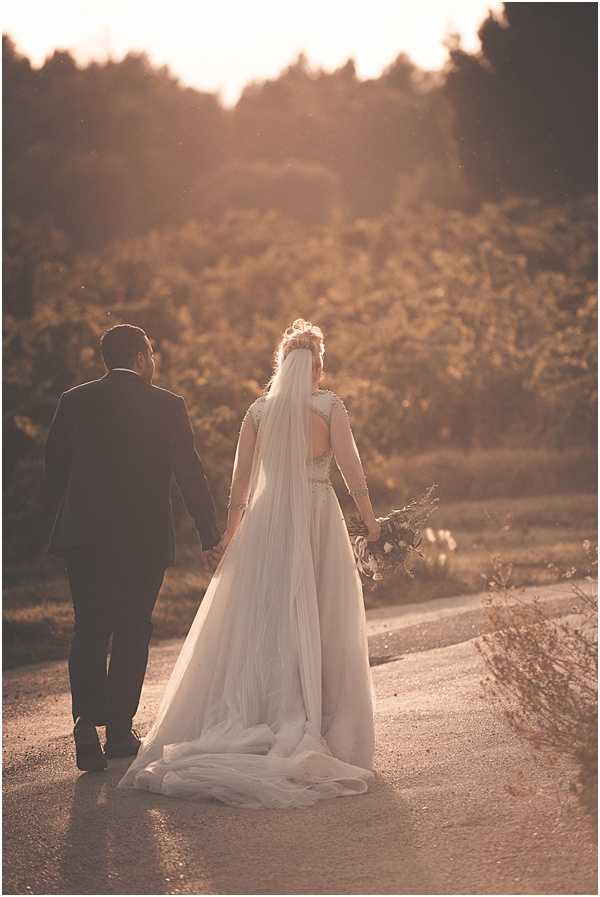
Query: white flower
(586, 544)
(442, 559)
(377, 577)
(361, 546)
(387, 547)
(451, 543)
(430, 535)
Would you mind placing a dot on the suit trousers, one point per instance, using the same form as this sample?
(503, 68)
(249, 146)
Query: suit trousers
(113, 595)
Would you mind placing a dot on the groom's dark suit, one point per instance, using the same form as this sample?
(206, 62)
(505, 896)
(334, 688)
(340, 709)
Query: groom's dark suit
(114, 446)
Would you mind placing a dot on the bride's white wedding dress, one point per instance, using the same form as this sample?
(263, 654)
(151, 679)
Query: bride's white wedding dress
(270, 702)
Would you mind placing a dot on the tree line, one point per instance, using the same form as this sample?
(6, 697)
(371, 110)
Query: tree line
(111, 150)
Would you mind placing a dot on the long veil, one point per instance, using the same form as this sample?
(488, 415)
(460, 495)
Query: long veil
(240, 718)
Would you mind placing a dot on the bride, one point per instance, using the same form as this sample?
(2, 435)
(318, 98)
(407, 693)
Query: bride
(270, 702)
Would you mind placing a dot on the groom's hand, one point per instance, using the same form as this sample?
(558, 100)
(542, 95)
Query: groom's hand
(206, 563)
(210, 558)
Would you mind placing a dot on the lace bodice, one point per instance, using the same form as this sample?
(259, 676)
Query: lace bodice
(342, 447)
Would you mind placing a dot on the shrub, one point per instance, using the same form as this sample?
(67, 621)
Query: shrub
(440, 334)
(543, 673)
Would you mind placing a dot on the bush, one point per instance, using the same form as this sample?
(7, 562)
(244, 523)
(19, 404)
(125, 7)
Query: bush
(439, 327)
(306, 191)
(543, 673)
(489, 473)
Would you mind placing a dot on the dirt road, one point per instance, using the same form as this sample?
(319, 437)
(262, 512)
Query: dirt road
(459, 804)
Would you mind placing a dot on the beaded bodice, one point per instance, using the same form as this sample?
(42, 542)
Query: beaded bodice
(320, 467)
(322, 401)
(342, 445)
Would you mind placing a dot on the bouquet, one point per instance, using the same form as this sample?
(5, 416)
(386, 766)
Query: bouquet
(401, 536)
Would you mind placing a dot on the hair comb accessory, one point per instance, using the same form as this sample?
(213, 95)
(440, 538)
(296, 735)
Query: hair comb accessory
(300, 342)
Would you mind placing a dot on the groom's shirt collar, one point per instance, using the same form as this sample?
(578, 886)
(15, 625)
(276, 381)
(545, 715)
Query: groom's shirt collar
(131, 371)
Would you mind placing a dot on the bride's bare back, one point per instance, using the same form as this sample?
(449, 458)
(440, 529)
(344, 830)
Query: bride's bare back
(331, 434)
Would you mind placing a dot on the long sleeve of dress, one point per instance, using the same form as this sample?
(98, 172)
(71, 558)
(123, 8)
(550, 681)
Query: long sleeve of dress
(242, 465)
(345, 450)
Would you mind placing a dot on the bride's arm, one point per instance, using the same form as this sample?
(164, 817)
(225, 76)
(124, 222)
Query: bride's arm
(348, 460)
(240, 477)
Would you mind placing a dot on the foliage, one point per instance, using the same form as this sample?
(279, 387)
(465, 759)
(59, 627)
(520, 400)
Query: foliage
(489, 473)
(308, 191)
(543, 672)
(112, 150)
(109, 151)
(442, 330)
(525, 108)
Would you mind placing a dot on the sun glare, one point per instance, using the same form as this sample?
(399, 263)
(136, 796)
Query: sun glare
(233, 43)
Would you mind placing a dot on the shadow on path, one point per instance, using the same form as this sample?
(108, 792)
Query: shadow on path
(332, 847)
(105, 851)
(88, 837)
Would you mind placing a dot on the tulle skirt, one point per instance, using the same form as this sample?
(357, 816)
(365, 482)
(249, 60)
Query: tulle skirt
(233, 723)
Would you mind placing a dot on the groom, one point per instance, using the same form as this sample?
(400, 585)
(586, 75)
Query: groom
(113, 447)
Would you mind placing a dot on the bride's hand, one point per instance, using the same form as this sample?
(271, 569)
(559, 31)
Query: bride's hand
(374, 532)
(225, 539)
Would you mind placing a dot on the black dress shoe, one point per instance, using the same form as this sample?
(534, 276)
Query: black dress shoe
(88, 753)
(122, 745)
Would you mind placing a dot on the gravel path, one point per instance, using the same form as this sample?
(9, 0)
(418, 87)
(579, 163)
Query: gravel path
(459, 805)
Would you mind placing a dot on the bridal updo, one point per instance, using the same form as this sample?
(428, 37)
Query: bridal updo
(300, 335)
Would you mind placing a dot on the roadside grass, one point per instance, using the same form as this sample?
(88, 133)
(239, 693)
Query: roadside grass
(542, 675)
(529, 531)
(468, 476)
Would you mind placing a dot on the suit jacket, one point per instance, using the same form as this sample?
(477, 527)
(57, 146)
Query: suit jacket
(114, 446)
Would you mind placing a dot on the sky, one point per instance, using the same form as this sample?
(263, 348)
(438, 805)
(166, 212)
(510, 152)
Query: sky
(222, 45)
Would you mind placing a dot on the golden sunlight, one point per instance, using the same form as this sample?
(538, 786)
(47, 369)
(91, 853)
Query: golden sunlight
(226, 46)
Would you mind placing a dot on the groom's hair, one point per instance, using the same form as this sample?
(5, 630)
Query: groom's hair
(121, 344)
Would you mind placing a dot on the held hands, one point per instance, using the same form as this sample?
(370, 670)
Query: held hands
(226, 539)
(210, 558)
